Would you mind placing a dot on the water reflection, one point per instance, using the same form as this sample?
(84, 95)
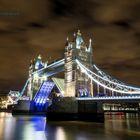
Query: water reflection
(30, 128)
(22, 127)
(118, 127)
(60, 134)
(125, 127)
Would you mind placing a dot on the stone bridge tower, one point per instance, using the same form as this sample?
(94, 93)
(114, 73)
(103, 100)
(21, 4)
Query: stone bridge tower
(76, 82)
(36, 79)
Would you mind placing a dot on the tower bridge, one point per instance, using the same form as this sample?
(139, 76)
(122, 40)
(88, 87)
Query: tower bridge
(81, 75)
(83, 80)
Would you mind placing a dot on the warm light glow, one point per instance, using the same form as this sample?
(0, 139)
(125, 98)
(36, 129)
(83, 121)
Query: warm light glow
(9, 126)
(36, 75)
(2, 114)
(44, 77)
(2, 122)
(60, 134)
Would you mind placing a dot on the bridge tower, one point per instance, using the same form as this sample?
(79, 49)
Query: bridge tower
(76, 82)
(36, 79)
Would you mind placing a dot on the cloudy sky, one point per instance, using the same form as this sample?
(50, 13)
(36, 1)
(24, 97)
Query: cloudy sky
(32, 27)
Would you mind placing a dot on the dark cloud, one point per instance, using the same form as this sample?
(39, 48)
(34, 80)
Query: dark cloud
(41, 27)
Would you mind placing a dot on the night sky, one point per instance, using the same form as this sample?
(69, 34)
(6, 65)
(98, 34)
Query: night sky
(32, 27)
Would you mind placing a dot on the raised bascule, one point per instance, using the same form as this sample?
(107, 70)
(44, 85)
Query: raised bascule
(83, 81)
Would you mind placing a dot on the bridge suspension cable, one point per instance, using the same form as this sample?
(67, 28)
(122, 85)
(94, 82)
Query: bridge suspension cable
(107, 83)
(108, 77)
(24, 88)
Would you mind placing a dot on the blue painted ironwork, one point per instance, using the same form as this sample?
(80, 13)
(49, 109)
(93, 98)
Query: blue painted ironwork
(43, 93)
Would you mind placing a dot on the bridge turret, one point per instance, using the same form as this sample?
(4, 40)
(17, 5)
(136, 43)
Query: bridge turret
(38, 63)
(79, 40)
(45, 64)
(89, 49)
(74, 37)
(67, 42)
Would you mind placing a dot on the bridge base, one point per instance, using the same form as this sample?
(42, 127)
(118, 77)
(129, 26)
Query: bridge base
(69, 108)
(28, 108)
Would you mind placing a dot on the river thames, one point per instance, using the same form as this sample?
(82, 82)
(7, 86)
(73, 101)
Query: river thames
(116, 127)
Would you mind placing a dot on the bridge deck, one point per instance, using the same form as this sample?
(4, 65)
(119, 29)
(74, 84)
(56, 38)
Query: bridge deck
(112, 98)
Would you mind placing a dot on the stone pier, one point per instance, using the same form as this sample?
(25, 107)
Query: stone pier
(69, 108)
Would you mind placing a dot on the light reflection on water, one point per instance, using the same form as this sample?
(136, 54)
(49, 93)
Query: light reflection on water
(118, 127)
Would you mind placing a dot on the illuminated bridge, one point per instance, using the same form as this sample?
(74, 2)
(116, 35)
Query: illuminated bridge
(82, 78)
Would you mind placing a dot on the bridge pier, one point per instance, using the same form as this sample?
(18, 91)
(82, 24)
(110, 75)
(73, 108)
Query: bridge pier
(69, 108)
(27, 107)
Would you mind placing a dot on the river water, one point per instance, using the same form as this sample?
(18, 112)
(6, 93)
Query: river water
(116, 127)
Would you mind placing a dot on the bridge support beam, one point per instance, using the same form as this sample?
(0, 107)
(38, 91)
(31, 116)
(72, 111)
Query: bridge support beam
(69, 108)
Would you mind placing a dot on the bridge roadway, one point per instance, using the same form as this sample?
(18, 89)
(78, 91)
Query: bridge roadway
(113, 99)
